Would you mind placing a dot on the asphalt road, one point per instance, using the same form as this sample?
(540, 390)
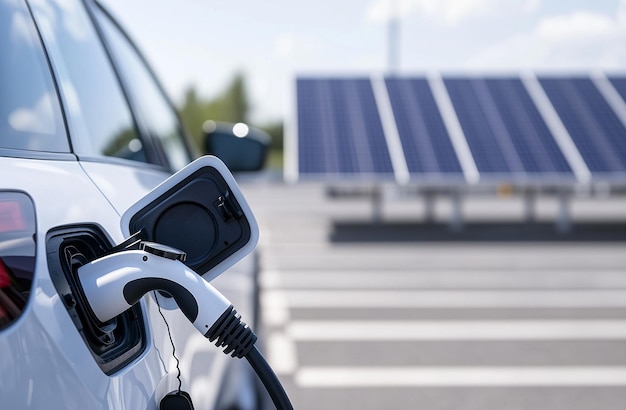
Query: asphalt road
(403, 315)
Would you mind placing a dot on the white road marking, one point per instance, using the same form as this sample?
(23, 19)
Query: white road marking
(458, 279)
(281, 353)
(275, 311)
(444, 299)
(482, 330)
(342, 377)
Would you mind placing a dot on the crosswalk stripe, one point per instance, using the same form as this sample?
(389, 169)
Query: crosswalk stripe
(281, 353)
(457, 330)
(442, 279)
(342, 377)
(444, 298)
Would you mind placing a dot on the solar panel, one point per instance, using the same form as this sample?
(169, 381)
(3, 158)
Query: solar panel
(620, 85)
(483, 143)
(529, 133)
(425, 140)
(504, 129)
(593, 126)
(339, 129)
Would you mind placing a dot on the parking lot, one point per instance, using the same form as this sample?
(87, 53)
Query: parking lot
(405, 315)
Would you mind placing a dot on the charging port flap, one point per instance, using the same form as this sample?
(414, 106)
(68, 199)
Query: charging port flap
(201, 211)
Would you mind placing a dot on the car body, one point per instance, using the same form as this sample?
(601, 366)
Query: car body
(85, 132)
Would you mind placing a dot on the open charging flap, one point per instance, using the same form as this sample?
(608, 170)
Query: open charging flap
(201, 211)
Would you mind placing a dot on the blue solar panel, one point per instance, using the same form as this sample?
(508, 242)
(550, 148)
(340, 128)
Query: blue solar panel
(425, 140)
(620, 85)
(339, 128)
(504, 130)
(340, 131)
(595, 129)
(529, 133)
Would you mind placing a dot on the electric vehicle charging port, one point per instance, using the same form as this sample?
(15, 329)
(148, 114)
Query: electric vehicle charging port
(228, 209)
(113, 343)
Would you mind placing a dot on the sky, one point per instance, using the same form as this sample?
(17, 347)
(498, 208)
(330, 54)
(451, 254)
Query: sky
(203, 43)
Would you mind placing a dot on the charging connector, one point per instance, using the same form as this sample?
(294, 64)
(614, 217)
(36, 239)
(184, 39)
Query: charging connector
(114, 283)
(232, 334)
(238, 340)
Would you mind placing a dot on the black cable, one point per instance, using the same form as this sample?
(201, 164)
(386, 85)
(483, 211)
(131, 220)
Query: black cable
(238, 341)
(167, 325)
(269, 379)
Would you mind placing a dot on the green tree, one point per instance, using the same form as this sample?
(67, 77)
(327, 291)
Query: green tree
(229, 106)
(193, 113)
(235, 101)
(275, 131)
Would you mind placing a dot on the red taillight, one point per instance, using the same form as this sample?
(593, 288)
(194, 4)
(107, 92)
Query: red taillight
(17, 254)
(5, 279)
(11, 216)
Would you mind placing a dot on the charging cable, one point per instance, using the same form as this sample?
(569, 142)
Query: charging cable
(115, 282)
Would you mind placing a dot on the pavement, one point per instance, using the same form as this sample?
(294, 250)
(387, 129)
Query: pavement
(399, 313)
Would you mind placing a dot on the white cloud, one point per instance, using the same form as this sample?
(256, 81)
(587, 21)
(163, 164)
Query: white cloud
(449, 12)
(73, 21)
(382, 10)
(21, 30)
(579, 40)
(621, 12)
(575, 26)
(284, 45)
(36, 119)
(72, 100)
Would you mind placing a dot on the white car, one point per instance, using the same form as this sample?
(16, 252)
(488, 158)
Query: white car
(86, 132)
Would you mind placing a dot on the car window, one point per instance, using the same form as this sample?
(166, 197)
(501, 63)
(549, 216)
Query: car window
(99, 118)
(157, 114)
(30, 115)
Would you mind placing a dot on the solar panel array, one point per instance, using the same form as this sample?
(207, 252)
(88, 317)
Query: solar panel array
(545, 129)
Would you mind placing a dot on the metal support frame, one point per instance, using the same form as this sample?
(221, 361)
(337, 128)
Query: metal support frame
(456, 216)
(563, 220)
(429, 206)
(377, 203)
(530, 199)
